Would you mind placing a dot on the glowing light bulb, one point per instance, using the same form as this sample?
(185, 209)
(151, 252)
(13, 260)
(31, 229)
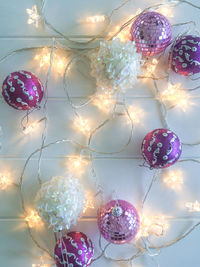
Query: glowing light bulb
(77, 165)
(82, 125)
(5, 182)
(175, 96)
(152, 225)
(150, 68)
(89, 203)
(34, 220)
(104, 102)
(174, 179)
(34, 17)
(136, 113)
(166, 11)
(44, 57)
(124, 35)
(31, 128)
(95, 19)
(193, 206)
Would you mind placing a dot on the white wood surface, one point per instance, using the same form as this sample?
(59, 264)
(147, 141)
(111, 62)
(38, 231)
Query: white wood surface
(120, 173)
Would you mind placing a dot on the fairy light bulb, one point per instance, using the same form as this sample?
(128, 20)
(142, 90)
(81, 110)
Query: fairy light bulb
(95, 19)
(5, 182)
(89, 203)
(33, 219)
(152, 225)
(82, 125)
(30, 128)
(173, 179)
(104, 102)
(193, 206)
(136, 113)
(34, 16)
(175, 96)
(77, 165)
(151, 67)
(166, 11)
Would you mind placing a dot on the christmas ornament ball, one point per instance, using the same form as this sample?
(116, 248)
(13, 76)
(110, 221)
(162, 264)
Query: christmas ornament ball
(161, 148)
(118, 221)
(151, 32)
(22, 90)
(74, 249)
(185, 55)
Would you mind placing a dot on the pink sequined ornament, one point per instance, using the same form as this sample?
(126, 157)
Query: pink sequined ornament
(75, 249)
(118, 221)
(151, 32)
(22, 90)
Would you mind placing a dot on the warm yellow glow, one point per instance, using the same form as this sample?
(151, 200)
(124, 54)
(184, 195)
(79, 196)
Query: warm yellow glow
(31, 127)
(44, 57)
(34, 17)
(136, 113)
(175, 96)
(89, 203)
(34, 220)
(193, 206)
(77, 165)
(150, 68)
(174, 179)
(95, 19)
(166, 11)
(104, 102)
(152, 225)
(5, 182)
(82, 125)
(124, 35)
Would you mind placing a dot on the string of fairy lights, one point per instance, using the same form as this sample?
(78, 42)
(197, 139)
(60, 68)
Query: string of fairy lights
(174, 95)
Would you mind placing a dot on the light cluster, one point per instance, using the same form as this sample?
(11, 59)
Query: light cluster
(59, 61)
(5, 182)
(193, 206)
(175, 96)
(104, 102)
(89, 202)
(136, 113)
(150, 68)
(95, 19)
(153, 225)
(83, 125)
(77, 165)
(34, 16)
(173, 179)
(34, 220)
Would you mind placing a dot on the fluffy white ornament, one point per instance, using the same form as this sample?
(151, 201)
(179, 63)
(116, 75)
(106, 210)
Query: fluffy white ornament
(116, 65)
(60, 202)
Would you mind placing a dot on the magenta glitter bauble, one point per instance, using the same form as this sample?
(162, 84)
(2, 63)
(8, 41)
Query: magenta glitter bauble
(75, 249)
(22, 90)
(161, 148)
(118, 221)
(151, 32)
(185, 55)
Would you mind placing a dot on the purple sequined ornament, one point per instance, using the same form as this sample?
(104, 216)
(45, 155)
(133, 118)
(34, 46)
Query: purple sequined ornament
(161, 148)
(118, 221)
(151, 32)
(74, 249)
(22, 90)
(185, 55)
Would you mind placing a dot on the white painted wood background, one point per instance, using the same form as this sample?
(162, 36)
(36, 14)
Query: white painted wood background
(120, 173)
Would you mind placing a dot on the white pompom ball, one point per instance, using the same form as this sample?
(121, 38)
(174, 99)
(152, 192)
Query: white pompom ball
(116, 65)
(60, 202)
